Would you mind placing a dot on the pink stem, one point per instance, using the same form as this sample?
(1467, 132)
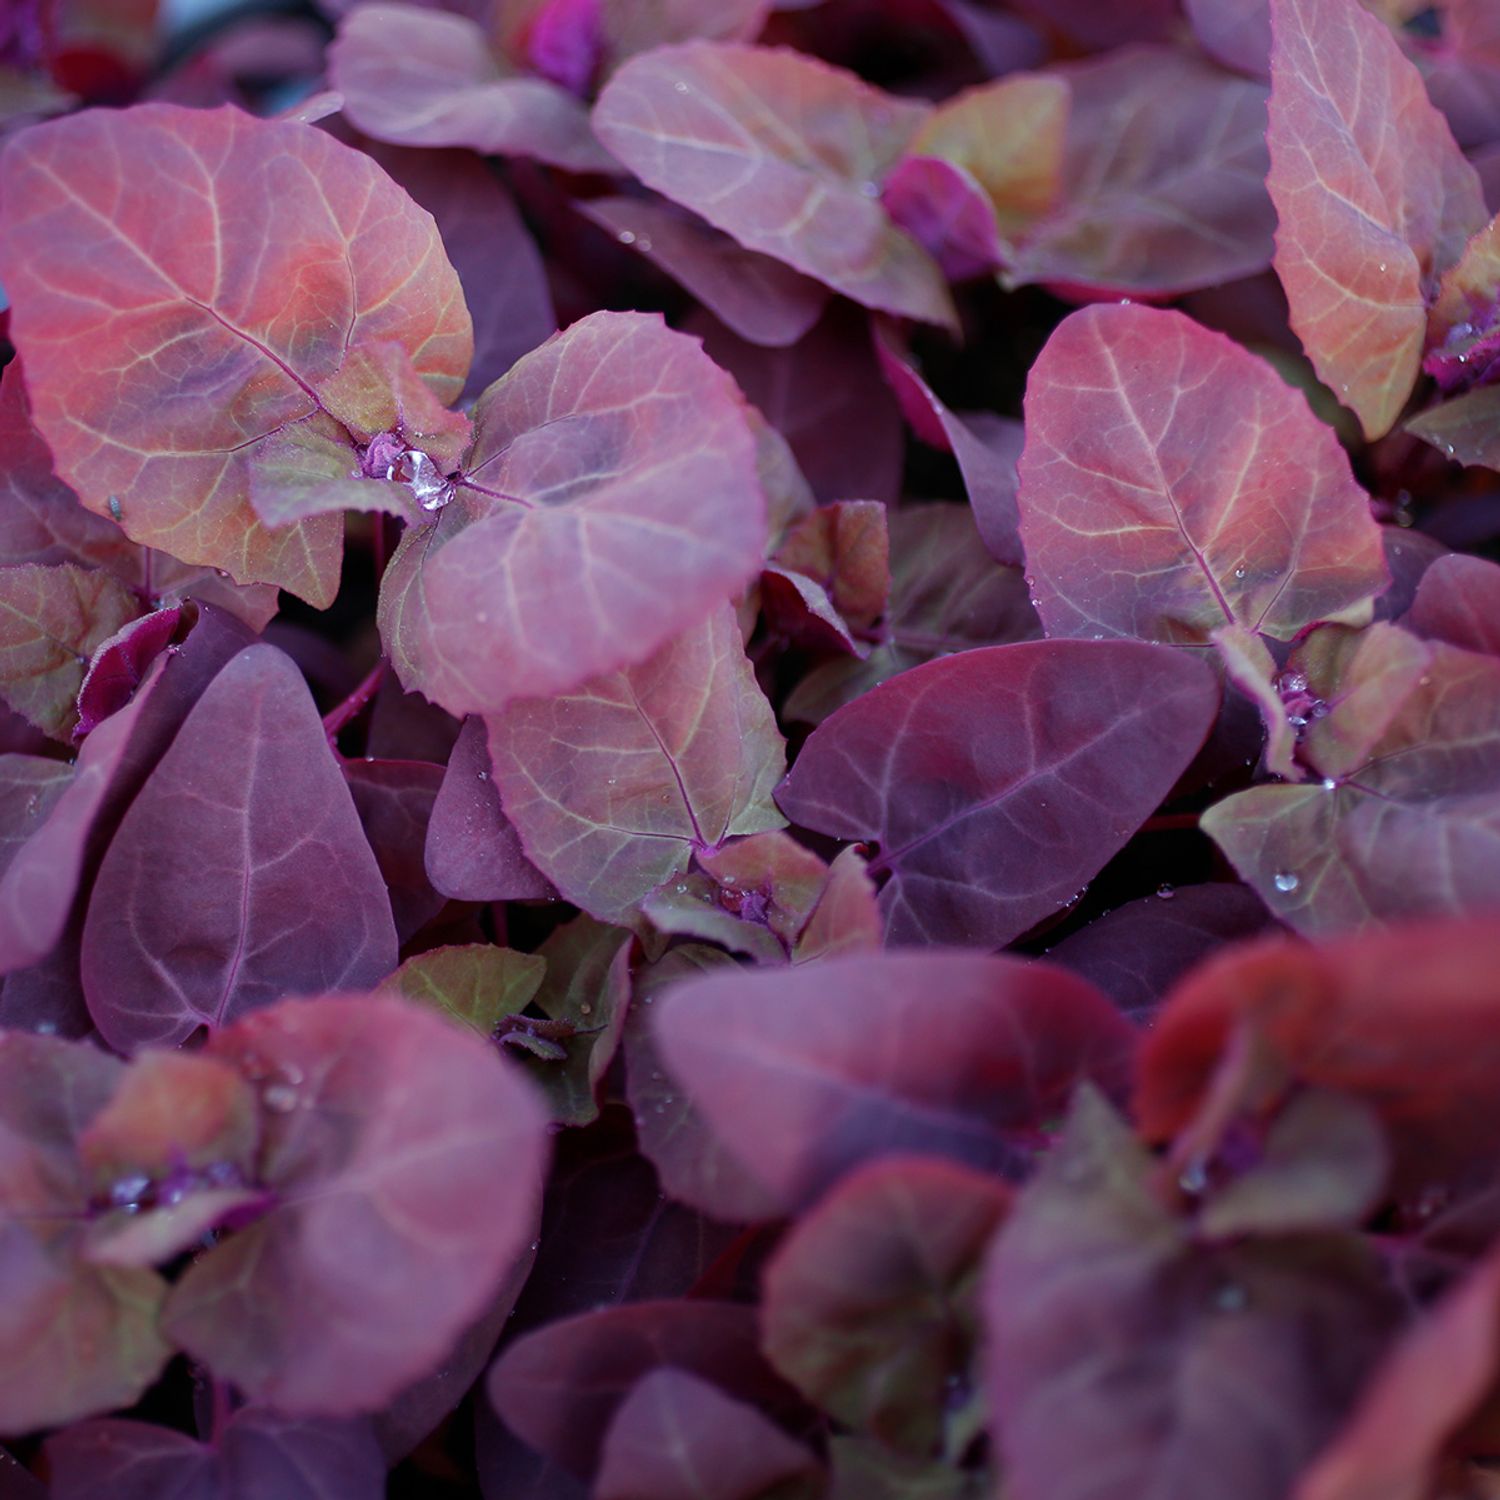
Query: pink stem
(336, 718)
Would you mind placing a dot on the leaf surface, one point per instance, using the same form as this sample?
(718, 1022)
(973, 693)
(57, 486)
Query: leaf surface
(1128, 532)
(997, 782)
(240, 873)
(215, 353)
(785, 154)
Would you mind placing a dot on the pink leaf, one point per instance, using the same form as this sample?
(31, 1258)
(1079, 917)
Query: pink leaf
(217, 354)
(1458, 601)
(1128, 533)
(119, 665)
(782, 152)
(997, 782)
(1365, 230)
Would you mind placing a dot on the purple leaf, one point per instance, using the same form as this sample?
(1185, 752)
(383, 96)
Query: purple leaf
(394, 800)
(803, 1074)
(782, 152)
(419, 77)
(614, 787)
(260, 1455)
(407, 1157)
(609, 502)
(757, 298)
(997, 782)
(247, 804)
(1458, 601)
(472, 852)
(120, 663)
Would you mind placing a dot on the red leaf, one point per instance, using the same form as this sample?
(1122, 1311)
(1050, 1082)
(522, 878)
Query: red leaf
(676, 1437)
(560, 1386)
(782, 152)
(1365, 229)
(421, 77)
(610, 501)
(1128, 532)
(292, 209)
(240, 873)
(997, 782)
(868, 1302)
(472, 852)
(805, 1073)
(258, 1456)
(120, 664)
(1174, 1361)
(408, 1158)
(614, 787)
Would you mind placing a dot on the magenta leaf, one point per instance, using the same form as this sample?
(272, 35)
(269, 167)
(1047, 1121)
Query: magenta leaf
(472, 852)
(609, 502)
(679, 1437)
(74, 1338)
(1163, 181)
(1095, 1290)
(1458, 601)
(944, 209)
(1404, 821)
(785, 154)
(614, 787)
(806, 1074)
(52, 619)
(119, 665)
(259, 1454)
(250, 792)
(406, 1157)
(988, 816)
(869, 1303)
(1127, 533)
(560, 1386)
(293, 209)
(418, 77)
(1364, 231)
(759, 299)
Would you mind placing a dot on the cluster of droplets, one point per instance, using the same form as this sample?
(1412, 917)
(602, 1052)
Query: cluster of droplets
(1301, 704)
(389, 457)
(136, 1191)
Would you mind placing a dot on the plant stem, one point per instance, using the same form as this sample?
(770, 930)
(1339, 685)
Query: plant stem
(340, 715)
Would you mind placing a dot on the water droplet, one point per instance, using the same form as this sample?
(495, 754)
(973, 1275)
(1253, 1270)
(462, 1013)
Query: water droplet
(1285, 881)
(644, 245)
(114, 508)
(1329, 784)
(870, 189)
(279, 1099)
(1382, 265)
(1194, 1177)
(484, 775)
(1166, 891)
(46, 1028)
(128, 1191)
(1231, 1297)
(626, 237)
(681, 87)
(1239, 572)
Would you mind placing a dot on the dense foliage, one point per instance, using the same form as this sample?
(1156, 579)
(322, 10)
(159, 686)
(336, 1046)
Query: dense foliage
(750, 751)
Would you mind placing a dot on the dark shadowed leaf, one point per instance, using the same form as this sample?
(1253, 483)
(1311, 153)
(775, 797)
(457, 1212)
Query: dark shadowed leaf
(407, 1158)
(1136, 952)
(678, 1437)
(869, 1303)
(614, 787)
(1128, 533)
(1174, 1362)
(807, 1073)
(52, 617)
(240, 872)
(119, 664)
(1364, 230)
(560, 1386)
(1467, 428)
(1163, 182)
(866, 1470)
(217, 353)
(759, 299)
(609, 502)
(473, 853)
(782, 152)
(394, 800)
(997, 782)
(260, 1455)
(1251, 668)
(419, 77)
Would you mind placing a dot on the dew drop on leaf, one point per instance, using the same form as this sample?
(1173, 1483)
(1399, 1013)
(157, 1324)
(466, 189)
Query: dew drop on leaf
(1285, 881)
